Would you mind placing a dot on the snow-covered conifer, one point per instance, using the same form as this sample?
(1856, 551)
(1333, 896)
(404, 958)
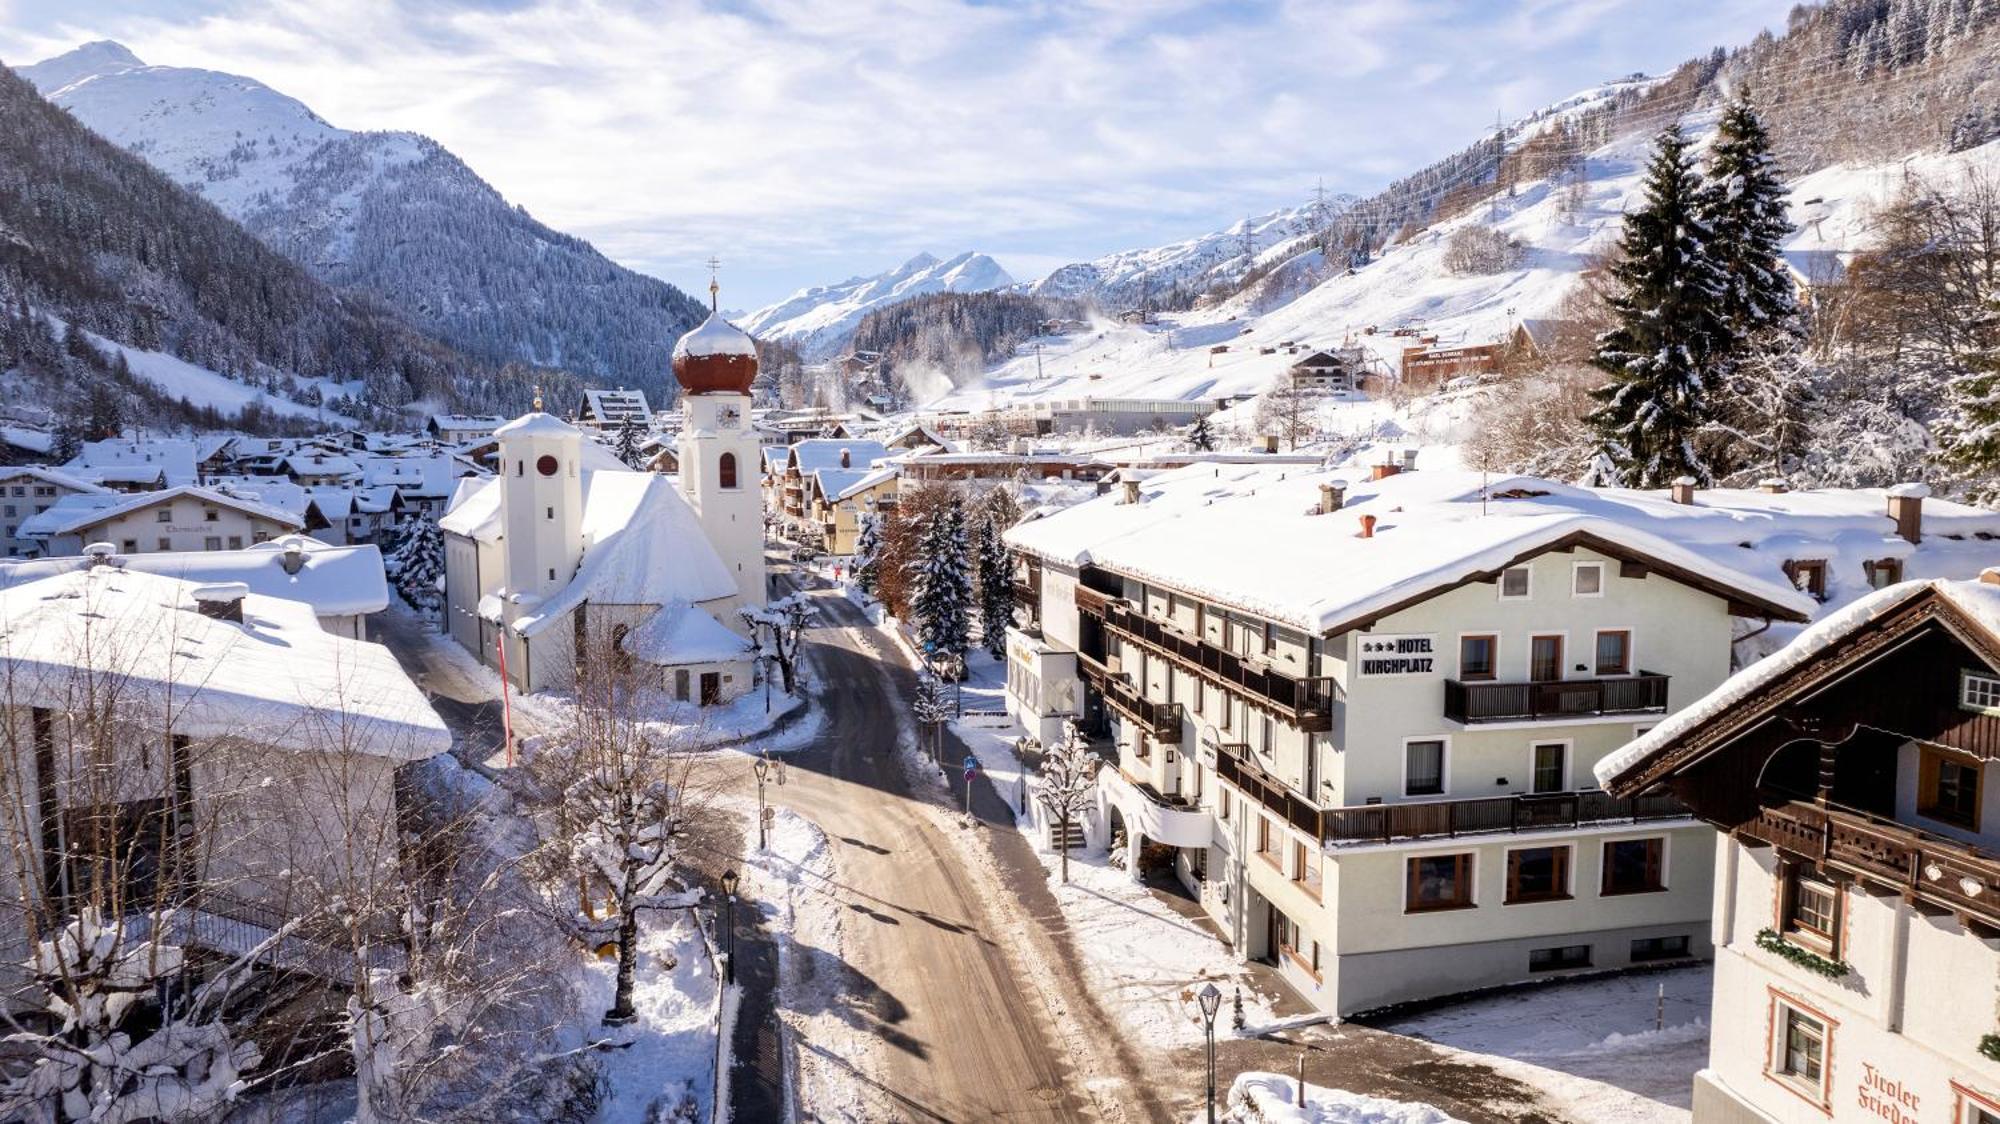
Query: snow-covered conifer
(941, 584)
(1669, 332)
(418, 564)
(629, 437)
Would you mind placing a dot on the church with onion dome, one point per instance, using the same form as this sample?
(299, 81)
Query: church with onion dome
(566, 550)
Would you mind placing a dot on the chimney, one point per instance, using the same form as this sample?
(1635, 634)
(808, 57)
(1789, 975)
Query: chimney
(1906, 507)
(100, 554)
(1384, 470)
(1368, 526)
(220, 601)
(1773, 485)
(1409, 460)
(1331, 496)
(1683, 490)
(1131, 491)
(293, 557)
(846, 459)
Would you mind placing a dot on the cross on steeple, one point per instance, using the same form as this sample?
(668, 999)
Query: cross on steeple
(714, 287)
(538, 398)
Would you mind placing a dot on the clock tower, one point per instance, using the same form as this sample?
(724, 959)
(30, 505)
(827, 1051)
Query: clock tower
(721, 460)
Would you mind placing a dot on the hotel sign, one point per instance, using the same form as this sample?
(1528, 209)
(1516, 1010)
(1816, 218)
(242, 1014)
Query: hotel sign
(1397, 656)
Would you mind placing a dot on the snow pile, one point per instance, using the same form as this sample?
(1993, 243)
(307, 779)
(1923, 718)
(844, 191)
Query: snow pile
(1589, 1047)
(1272, 1098)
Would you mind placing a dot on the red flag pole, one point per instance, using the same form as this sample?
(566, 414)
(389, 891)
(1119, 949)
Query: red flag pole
(506, 707)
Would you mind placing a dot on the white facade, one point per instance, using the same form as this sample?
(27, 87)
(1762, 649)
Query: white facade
(25, 492)
(720, 459)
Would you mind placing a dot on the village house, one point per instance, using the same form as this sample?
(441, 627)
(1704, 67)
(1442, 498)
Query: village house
(840, 499)
(612, 410)
(802, 459)
(246, 746)
(177, 518)
(458, 429)
(26, 491)
(1327, 371)
(1392, 712)
(1857, 910)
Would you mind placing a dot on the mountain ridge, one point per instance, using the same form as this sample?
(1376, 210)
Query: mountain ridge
(822, 318)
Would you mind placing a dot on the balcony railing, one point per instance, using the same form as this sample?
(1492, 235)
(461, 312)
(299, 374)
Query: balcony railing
(1380, 823)
(1305, 701)
(1644, 693)
(1942, 873)
(1233, 764)
(1161, 720)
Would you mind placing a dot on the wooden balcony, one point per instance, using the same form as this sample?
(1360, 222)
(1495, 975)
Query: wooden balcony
(1644, 693)
(1941, 873)
(1381, 823)
(1304, 701)
(1233, 764)
(1160, 720)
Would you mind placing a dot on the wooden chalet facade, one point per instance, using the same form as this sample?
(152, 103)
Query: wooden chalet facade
(1858, 908)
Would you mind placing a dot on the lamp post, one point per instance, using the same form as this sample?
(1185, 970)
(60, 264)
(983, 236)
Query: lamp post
(763, 768)
(1211, 1002)
(729, 948)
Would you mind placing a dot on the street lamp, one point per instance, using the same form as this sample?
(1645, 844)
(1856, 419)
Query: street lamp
(762, 767)
(729, 955)
(1211, 1002)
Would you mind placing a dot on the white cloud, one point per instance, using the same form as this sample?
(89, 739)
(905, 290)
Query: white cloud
(815, 138)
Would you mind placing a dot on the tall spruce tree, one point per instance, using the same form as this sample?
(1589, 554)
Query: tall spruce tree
(1968, 430)
(418, 563)
(1764, 384)
(941, 584)
(629, 437)
(868, 554)
(1670, 331)
(996, 585)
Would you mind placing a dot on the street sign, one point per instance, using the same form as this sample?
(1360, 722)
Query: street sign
(971, 763)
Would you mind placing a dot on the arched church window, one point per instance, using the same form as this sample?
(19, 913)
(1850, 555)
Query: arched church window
(725, 470)
(547, 465)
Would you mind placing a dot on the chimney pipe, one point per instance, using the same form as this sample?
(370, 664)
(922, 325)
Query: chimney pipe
(220, 601)
(1683, 490)
(1131, 491)
(1368, 526)
(1906, 507)
(846, 459)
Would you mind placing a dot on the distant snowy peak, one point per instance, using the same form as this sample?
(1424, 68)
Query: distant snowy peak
(820, 319)
(87, 61)
(1131, 277)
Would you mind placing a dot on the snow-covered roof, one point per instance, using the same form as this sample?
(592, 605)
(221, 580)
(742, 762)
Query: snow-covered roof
(38, 441)
(320, 464)
(178, 458)
(642, 544)
(537, 424)
(716, 336)
(81, 511)
(815, 453)
(334, 580)
(1977, 600)
(463, 422)
(57, 477)
(617, 405)
(1194, 526)
(681, 634)
(276, 678)
(847, 483)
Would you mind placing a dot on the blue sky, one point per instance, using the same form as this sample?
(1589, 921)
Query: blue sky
(804, 141)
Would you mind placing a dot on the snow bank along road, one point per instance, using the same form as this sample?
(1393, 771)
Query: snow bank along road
(968, 1006)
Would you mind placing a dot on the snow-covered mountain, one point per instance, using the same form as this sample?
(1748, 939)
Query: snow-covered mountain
(390, 213)
(1177, 272)
(820, 319)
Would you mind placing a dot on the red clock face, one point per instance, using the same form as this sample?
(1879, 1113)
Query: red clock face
(546, 465)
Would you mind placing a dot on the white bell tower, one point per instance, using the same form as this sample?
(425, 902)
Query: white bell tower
(721, 460)
(541, 503)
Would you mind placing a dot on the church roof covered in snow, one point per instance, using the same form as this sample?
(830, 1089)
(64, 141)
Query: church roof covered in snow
(274, 678)
(538, 424)
(681, 634)
(642, 544)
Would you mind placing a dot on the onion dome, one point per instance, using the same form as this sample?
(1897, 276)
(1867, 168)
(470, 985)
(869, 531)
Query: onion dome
(716, 358)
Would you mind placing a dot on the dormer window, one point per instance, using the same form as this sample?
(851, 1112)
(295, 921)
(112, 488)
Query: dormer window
(1809, 575)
